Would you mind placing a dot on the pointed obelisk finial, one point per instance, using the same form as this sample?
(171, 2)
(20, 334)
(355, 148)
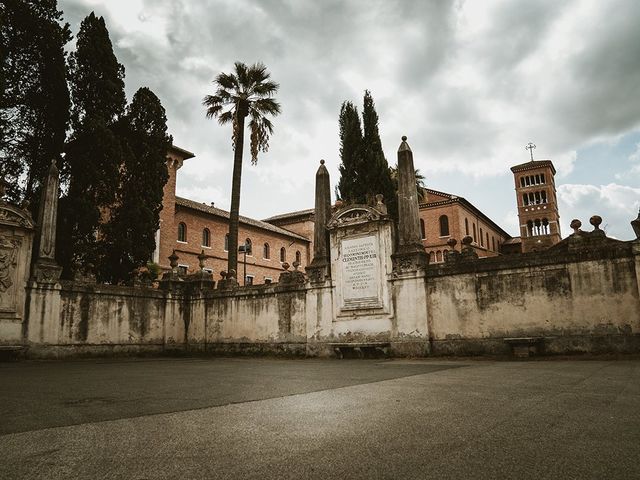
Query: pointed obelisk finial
(319, 268)
(410, 250)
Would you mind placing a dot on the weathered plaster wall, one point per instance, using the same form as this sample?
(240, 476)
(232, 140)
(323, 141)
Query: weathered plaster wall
(578, 306)
(578, 303)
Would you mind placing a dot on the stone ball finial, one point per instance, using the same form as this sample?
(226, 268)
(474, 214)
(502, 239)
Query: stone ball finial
(467, 240)
(595, 220)
(223, 274)
(296, 265)
(452, 242)
(231, 273)
(404, 138)
(321, 162)
(339, 203)
(286, 266)
(575, 224)
(173, 259)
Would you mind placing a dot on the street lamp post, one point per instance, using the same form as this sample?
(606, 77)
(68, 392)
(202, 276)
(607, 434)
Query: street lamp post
(244, 249)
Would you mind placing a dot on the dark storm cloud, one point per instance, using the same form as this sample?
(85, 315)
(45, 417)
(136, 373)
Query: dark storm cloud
(469, 82)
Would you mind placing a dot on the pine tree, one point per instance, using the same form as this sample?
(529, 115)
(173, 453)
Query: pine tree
(34, 98)
(129, 236)
(94, 151)
(349, 188)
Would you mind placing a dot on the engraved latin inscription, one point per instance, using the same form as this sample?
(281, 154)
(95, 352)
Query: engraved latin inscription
(360, 272)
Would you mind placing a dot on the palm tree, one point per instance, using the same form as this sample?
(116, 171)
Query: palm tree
(420, 185)
(245, 92)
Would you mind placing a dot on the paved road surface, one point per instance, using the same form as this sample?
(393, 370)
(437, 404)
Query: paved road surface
(266, 418)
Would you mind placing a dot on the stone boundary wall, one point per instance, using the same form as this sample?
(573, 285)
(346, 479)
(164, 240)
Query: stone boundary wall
(585, 301)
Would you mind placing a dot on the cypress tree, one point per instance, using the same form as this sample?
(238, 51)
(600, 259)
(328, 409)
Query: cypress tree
(364, 171)
(94, 151)
(349, 188)
(129, 236)
(34, 97)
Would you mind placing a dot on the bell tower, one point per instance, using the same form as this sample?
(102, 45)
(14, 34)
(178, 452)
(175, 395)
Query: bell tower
(537, 203)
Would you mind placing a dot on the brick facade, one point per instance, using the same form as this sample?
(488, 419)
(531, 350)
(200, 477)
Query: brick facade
(197, 217)
(537, 205)
(462, 219)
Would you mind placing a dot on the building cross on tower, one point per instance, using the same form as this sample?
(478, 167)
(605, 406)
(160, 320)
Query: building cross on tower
(530, 146)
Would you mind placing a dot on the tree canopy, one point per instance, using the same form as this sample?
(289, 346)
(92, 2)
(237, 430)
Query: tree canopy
(94, 151)
(364, 171)
(34, 98)
(129, 235)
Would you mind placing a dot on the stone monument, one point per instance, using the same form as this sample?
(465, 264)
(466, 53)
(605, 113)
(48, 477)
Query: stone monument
(361, 246)
(16, 243)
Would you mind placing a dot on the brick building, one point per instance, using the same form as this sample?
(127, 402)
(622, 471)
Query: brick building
(444, 216)
(190, 227)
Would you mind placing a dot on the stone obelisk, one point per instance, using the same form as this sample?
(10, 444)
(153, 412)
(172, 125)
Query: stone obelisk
(319, 268)
(410, 253)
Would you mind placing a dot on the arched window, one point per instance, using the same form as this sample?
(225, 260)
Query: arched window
(530, 229)
(522, 181)
(283, 254)
(474, 233)
(266, 251)
(438, 256)
(544, 196)
(248, 246)
(423, 233)
(466, 226)
(444, 226)
(298, 256)
(542, 177)
(487, 240)
(182, 232)
(481, 238)
(493, 243)
(432, 256)
(525, 200)
(226, 242)
(205, 237)
(545, 226)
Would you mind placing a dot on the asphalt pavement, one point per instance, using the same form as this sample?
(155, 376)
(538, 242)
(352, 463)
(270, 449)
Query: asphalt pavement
(213, 418)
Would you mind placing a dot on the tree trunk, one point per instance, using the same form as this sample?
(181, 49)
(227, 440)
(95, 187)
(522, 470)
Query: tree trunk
(234, 212)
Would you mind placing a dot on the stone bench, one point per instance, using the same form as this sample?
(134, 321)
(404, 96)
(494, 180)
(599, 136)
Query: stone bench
(525, 347)
(361, 349)
(11, 352)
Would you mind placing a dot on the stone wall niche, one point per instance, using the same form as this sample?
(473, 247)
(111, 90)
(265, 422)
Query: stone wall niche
(16, 242)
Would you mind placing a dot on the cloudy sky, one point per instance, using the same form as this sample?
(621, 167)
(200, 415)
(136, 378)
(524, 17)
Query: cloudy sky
(469, 82)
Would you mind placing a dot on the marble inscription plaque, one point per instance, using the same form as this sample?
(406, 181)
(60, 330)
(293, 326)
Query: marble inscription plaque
(360, 272)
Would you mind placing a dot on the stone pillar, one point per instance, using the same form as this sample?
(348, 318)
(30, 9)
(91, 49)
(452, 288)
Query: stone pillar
(319, 269)
(45, 269)
(410, 253)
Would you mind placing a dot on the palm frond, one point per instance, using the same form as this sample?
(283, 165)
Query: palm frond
(227, 81)
(241, 74)
(226, 117)
(265, 89)
(265, 106)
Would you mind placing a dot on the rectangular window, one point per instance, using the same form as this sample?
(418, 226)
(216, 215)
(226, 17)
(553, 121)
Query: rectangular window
(249, 280)
(183, 269)
(267, 280)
